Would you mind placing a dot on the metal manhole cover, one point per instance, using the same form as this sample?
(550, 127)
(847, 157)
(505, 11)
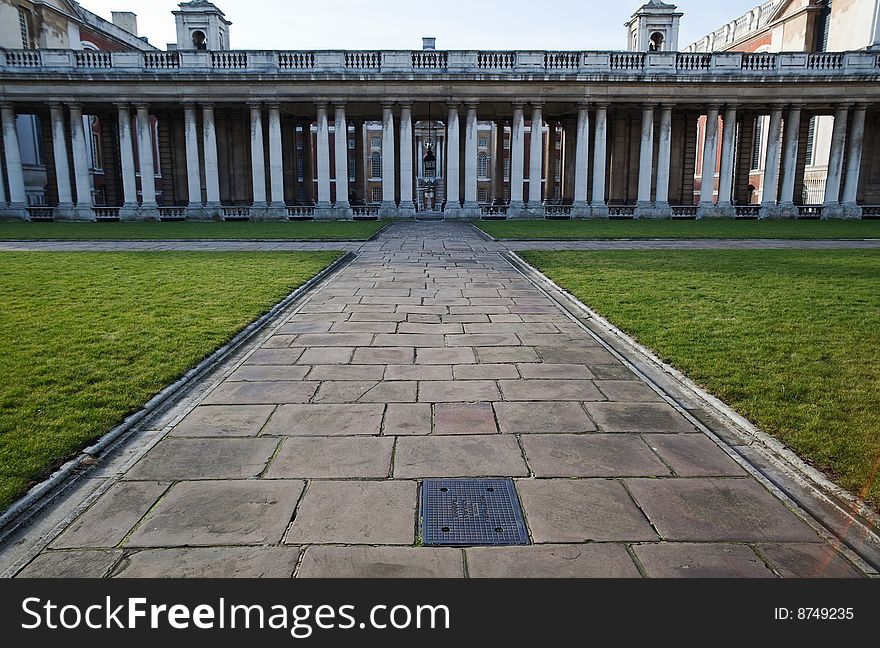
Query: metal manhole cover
(464, 512)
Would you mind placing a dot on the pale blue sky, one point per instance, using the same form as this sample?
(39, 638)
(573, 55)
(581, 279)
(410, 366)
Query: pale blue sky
(400, 24)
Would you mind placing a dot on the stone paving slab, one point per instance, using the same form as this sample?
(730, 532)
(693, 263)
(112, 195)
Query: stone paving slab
(429, 355)
(381, 562)
(210, 562)
(701, 561)
(552, 561)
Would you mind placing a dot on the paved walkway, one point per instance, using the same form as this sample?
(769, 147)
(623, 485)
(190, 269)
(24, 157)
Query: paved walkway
(431, 356)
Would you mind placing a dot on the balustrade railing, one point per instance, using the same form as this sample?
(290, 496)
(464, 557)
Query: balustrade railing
(557, 211)
(41, 213)
(621, 210)
(363, 60)
(106, 213)
(296, 60)
(236, 213)
(299, 213)
(871, 211)
(562, 60)
(759, 62)
(747, 211)
(809, 211)
(229, 60)
(825, 61)
(368, 211)
(684, 211)
(496, 60)
(90, 59)
(430, 61)
(172, 213)
(494, 210)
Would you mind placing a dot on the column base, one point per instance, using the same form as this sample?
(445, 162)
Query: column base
(471, 209)
(332, 213)
(769, 210)
(852, 211)
(64, 212)
(786, 210)
(196, 213)
(599, 210)
(452, 212)
(652, 210)
(406, 210)
(517, 211)
(213, 211)
(708, 210)
(14, 211)
(832, 211)
(580, 209)
(726, 210)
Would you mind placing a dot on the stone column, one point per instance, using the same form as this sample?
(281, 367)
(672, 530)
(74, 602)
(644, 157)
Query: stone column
(340, 151)
(498, 166)
(145, 157)
(322, 146)
(664, 163)
(517, 161)
(855, 142)
(389, 206)
(770, 183)
(536, 159)
(212, 166)
(707, 175)
(276, 164)
(258, 161)
(407, 206)
(84, 204)
(193, 166)
(787, 208)
(308, 154)
(646, 164)
(832, 207)
(728, 153)
(581, 163)
(599, 207)
(453, 166)
(17, 206)
(471, 205)
(62, 166)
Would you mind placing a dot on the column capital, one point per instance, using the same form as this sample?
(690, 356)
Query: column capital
(471, 104)
(57, 105)
(518, 105)
(207, 106)
(583, 105)
(6, 105)
(667, 105)
(139, 106)
(537, 105)
(258, 105)
(405, 104)
(273, 106)
(388, 105)
(339, 105)
(322, 105)
(78, 106)
(453, 105)
(602, 105)
(713, 106)
(860, 105)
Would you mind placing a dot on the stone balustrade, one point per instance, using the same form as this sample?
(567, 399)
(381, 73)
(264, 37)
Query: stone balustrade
(466, 62)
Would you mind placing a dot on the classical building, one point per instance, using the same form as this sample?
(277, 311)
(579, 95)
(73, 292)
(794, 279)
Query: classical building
(204, 131)
(815, 26)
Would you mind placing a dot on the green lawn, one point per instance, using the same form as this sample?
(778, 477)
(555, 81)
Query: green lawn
(87, 338)
(790, 339)
(679, 229)
(288, 230)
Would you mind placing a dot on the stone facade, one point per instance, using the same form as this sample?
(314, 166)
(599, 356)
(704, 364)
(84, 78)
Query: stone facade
(216, 134)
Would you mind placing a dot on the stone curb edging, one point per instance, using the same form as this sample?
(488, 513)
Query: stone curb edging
(777, 466)
(41, 494)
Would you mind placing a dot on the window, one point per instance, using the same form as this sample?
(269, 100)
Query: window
(811, 140)
(25, 26)
(483, 195)
(483, 142)
(557, 173)
(200, 41)
(756, 148)
(300, 168)
(96, 150)
(483, 166)
(352, 170)
(376, 194)
(300, 141)
(351, 145)
(506, 144)
(30, 140)
(375, 142)
(507, 170)
(656, 42)
(375, 165)
(823, 28)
